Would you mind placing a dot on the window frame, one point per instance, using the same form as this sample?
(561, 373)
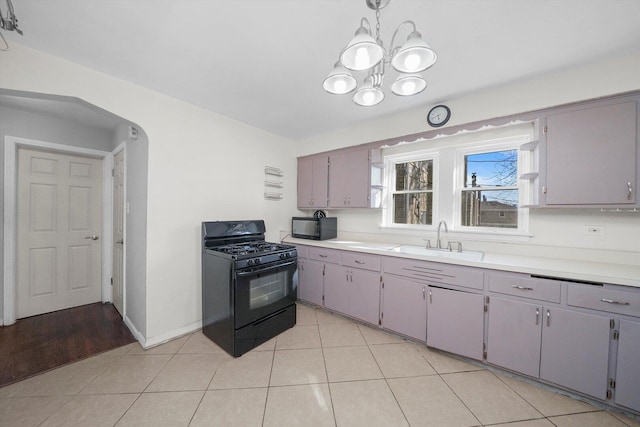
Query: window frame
(490, 146)
(390, 162)
(448, 154)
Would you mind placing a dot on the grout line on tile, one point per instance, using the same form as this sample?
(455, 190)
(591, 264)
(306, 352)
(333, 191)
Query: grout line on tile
(266, 399)
(458, 397)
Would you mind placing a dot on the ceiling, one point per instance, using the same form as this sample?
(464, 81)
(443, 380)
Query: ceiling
(262, 62)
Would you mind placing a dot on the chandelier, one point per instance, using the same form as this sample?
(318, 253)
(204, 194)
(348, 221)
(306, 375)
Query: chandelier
(364, 53)
(10, 23)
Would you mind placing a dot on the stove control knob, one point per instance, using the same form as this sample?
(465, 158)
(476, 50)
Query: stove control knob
(249, 262)
(283, 256)
(257, 261)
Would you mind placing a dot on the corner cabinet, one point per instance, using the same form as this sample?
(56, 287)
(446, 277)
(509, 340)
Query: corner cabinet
(313, 176)
(591, 155)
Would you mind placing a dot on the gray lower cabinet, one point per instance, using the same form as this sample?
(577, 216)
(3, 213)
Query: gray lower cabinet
(336, 289)
(404, 307)
(514, 335)
(353, 292)
(575, 351)
(310, 282)
(563, 347)
(455, 322)
(627, 391)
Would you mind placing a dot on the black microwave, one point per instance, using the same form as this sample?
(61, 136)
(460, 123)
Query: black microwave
(314, 228)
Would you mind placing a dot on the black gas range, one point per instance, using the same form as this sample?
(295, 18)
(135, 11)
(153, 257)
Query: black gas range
(248, 285)
(256, 253)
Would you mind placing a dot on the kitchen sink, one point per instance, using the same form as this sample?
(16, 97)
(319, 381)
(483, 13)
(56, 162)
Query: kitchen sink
(434, 252)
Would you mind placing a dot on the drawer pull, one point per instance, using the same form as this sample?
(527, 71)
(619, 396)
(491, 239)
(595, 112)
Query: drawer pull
(610, 301)
(359, 262)
(524, 288)
(323, 256)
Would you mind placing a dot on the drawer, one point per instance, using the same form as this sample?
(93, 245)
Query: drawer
(303, 251)
(435, 273)
(599, 298)
(326, 255)
(360, 260)
(522, 285)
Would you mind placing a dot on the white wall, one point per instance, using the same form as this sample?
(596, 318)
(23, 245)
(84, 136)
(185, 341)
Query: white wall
(555, 232)
(202, 166)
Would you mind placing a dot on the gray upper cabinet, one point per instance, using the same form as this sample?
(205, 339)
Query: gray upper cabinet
(591, 155)
(313, 175)
(349, 173)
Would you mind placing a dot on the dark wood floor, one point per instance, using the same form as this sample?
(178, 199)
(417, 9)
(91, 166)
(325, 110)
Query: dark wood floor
(40, 343)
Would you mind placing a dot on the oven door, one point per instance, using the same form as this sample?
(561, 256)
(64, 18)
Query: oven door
(261, 291)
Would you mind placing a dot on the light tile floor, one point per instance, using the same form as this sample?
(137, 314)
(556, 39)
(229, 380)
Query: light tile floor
(326, 371)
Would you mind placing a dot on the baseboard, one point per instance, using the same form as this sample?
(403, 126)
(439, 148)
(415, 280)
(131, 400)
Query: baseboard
(168, 336)
(136, 333)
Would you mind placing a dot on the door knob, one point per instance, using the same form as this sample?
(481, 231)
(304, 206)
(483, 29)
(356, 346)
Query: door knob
(94, 237)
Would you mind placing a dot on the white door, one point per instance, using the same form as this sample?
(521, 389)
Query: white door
(118, 231)
(59, 224)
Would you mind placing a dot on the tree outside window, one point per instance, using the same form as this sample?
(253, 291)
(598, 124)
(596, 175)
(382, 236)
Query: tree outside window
(413, 192)
(490, 192)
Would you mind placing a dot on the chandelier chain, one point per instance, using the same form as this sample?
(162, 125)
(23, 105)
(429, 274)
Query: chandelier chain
(378, 21)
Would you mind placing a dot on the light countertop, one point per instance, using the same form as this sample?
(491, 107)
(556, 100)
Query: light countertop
(588, 271)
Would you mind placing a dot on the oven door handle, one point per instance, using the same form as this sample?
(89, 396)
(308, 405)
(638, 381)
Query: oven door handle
(262, 270)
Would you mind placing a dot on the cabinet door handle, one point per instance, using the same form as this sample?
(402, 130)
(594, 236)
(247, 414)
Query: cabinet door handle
(430, 297)
(537, 316)
(548, 318)
(359, 262)
(629, 190)
(424, 293)
(610, 301)
(524, 288)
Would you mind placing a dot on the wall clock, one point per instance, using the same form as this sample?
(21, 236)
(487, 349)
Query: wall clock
(438, 116)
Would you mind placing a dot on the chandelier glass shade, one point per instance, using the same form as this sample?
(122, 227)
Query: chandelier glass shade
(367, 54)
(339, 81)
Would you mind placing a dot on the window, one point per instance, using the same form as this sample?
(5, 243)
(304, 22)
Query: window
(473, 181)
(489, 195)
(412, 193)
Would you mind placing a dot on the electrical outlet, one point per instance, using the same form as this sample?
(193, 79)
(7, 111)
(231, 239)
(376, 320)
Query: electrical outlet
(594, 230)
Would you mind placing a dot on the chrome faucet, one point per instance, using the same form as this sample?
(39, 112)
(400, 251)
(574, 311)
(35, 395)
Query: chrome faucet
(446, 230)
